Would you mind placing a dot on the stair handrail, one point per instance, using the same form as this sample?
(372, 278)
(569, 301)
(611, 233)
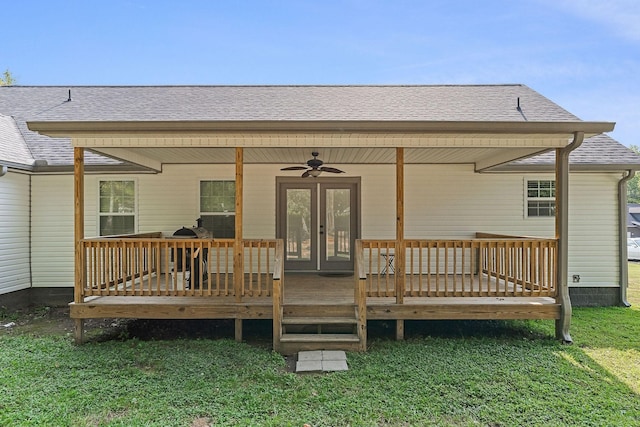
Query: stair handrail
(278, 293)
(360, 294)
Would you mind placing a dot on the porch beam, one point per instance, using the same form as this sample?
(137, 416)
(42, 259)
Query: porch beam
(562, 236)
(507, 155)
(238, 254)
(78, 212)
(133, 157)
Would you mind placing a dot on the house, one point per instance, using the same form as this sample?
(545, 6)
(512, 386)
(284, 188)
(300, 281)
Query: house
(199, 210)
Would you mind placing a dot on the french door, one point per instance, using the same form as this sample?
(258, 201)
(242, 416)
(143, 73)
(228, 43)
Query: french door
(318, 220)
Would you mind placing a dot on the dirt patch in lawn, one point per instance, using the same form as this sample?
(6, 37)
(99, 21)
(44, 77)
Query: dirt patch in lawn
(55, 321)
(50, 321)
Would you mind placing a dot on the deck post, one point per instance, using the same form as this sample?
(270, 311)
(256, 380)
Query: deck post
(562, 236)
(238, 330)
(399, 329)
(238, 253)
(78, 190)
(277, 314)
(400, 253)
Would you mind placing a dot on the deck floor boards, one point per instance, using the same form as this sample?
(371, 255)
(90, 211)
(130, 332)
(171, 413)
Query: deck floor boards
(313, 289)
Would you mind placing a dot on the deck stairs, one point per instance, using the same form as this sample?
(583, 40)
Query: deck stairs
(319, 327)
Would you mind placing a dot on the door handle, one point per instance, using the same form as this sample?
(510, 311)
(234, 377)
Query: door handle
(321, 229)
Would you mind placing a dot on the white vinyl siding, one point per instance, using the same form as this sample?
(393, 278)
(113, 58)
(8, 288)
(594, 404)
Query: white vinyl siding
(441, 201)
(451, 201)
(14, 233)
(593, 229)
(52, 230)
(259, 207)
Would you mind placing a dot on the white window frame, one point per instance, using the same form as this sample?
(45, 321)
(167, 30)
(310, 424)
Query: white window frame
(135, 201)
(528, 199)
(226, 212)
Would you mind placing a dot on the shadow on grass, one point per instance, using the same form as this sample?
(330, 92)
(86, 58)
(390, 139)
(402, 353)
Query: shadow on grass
(460, 329)
(260, 332)
(257, 332)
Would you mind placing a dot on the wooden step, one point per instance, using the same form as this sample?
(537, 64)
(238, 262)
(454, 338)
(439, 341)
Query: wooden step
(319, 338)
(319, 321)
(321, 310)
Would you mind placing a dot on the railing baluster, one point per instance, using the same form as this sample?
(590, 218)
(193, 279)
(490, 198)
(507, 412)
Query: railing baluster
(507, 267)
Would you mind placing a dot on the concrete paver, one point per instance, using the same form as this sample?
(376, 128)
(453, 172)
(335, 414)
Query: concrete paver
(321, 361)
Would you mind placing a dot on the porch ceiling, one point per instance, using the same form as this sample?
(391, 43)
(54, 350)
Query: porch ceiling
(481, 157)
(483, 144)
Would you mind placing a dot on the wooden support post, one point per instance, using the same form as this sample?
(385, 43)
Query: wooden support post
(78, 190)
(399, 330)
(78, 331)
(277, 314)
(400, 254)
(238, 330)
(361, 306)
(238, 253)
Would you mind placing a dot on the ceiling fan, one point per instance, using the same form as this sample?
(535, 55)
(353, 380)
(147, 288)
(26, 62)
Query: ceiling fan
(314, 167)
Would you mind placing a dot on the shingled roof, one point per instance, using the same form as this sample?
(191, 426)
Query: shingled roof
(448, 103)
(281, 103)
(13, 148)
(600, 152)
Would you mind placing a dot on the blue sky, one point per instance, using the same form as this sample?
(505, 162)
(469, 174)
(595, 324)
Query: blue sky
(582, 54)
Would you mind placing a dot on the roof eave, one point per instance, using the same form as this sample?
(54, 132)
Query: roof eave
(71, 128)
(550, 167)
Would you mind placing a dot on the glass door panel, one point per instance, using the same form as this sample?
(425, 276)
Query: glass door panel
(299, 224)
(337, 224)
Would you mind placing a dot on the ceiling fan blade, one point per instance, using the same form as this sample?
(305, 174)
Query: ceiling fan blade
(306, 174)
(293, 168)
(332, 170)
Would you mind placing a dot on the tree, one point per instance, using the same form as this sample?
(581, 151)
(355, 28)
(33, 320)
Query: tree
(7, 78)
(633, 185)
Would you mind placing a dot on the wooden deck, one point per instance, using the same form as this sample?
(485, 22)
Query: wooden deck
(150, 277)
(312, 308)
(302, 291)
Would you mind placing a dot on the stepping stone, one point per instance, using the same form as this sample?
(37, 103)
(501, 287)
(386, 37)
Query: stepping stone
(321, 361)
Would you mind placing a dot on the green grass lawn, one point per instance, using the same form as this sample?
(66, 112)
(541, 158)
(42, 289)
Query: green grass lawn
(475, 374)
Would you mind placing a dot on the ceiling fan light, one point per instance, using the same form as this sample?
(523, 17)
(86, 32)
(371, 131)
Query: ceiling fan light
(315, 173)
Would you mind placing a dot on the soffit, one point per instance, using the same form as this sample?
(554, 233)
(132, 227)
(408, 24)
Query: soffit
(299, 155)
(483, 150)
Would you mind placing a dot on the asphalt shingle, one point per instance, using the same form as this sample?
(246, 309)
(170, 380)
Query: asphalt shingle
(292, 103)
(13, 148)
(283, 103)
(599, 150)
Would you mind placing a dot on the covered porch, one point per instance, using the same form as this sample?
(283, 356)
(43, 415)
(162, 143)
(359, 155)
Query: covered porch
(400, 271)
(481, 276)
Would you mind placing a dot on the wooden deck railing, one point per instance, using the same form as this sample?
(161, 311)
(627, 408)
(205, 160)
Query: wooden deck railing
(278, 294)
(499, 266)
(155, 266)
(361, 294)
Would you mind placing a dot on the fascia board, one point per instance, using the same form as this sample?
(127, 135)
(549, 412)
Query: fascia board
(95, 128)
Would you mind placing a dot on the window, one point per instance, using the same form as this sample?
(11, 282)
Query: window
(218, 207)
(117, 207)
(541, 198)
